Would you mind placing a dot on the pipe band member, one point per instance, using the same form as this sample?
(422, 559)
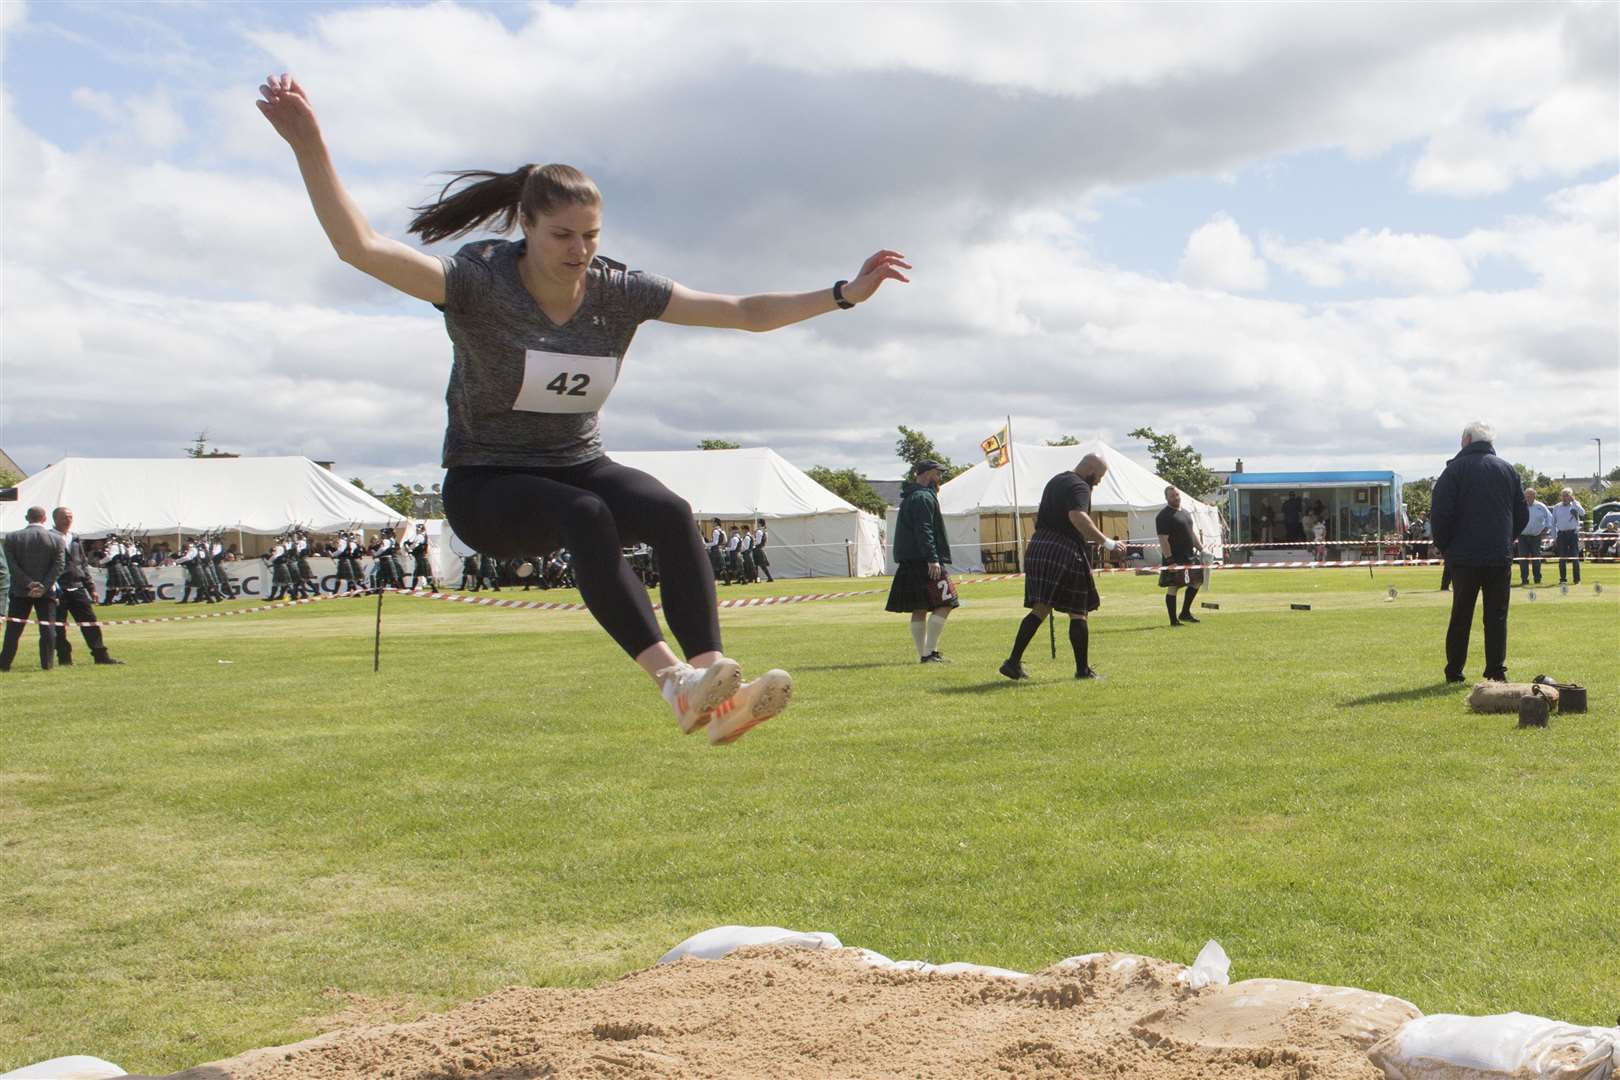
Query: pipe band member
(1057, 571)
(540, 327)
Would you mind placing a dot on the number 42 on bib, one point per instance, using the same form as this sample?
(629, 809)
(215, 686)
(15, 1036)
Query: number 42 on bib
(565, 382)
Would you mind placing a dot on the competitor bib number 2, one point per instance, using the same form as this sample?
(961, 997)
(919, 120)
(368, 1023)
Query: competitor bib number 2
(565, 383)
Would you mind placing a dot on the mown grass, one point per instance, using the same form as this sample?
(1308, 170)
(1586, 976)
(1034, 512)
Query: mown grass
(192, 851)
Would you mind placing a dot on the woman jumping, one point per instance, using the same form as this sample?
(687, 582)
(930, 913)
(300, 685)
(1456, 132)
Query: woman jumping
(540, 327)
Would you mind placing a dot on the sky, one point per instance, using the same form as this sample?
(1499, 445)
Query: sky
(1307, 236)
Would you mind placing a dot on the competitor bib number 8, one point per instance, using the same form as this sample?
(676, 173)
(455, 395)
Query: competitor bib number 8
(565, 383)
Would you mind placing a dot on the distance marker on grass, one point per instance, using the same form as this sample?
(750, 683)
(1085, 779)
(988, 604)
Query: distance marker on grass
(1208, 606)
(1300, 607)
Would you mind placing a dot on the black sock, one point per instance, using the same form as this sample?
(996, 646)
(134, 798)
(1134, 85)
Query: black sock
(1026, 634)
(1186, 605)
(1170, 605)
(1080, 641)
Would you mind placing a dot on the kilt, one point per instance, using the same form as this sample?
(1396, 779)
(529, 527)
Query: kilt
(913, 590)
(759, 557)
(1057, 575)
(1175, 579)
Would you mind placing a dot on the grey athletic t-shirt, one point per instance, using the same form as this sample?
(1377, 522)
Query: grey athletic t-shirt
(523, 390)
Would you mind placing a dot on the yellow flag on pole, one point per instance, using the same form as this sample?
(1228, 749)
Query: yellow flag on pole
(997, 449)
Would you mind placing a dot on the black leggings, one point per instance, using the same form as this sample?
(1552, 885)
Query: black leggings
(594, 510)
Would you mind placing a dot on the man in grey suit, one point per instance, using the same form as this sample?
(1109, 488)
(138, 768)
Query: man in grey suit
(35, 556)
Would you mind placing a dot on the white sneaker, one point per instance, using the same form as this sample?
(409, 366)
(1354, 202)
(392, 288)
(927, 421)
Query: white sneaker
(694, 693)
(753, 703)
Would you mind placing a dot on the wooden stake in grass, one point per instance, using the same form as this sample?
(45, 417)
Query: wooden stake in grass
(376, 645)
(1051, 631)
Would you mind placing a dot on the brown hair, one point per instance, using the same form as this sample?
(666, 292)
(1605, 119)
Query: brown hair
(531, 189)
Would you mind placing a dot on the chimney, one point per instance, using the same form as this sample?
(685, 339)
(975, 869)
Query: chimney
(1239, 466)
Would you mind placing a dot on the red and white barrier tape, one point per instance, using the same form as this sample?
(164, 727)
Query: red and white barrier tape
(748, 601)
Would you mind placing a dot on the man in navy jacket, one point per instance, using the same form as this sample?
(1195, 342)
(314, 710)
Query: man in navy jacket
(1478, 508)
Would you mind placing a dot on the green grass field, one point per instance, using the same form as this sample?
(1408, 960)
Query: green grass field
(195, 846)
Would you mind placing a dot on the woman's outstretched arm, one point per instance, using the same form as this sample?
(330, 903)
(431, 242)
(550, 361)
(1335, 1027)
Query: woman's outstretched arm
(285, 105)
(768, 311)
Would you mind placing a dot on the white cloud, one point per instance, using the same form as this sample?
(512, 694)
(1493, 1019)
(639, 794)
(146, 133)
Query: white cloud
(13, 14)
(1404, 261)
(1220, 256)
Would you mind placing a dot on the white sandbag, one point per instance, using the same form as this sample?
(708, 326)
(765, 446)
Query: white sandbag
(76, 1067)
(962, 968)
(923, 967)
(1512, 1045)
(1210, 969)
(713, 944)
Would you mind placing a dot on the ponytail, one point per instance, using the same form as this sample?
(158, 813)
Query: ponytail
(530, 189)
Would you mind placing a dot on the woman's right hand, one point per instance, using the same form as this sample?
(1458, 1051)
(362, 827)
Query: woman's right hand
(287, 108)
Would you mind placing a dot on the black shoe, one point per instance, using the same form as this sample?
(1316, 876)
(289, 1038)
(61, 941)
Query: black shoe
(1012, 670)
(1089, 673)
(932, 658)
(1450, 678)
(104, 659)
(1188, 617)
(1175, 622)
(1496, 676)
(64, 662)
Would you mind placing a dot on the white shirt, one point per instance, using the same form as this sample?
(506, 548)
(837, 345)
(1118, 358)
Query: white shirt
(1567, 516)
(718, 538)
(736, 542)
(1319, 530)
(759, 538)
(1541, 519)
(747, 541)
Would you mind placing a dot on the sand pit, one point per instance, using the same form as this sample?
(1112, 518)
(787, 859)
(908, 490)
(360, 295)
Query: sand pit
(774, 1011)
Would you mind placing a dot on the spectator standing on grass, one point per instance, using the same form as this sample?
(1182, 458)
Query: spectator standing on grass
(1057, 570)
(1180, 550)
(36, 557)
(1478, 510)
(1535, 530)
(77, 593)
(922, 586)
(1568, 516)
(1319, 538)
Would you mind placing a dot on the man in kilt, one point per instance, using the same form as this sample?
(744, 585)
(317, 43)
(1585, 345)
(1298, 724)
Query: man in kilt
(1180, 549)
(1057, 572)
(922, 588)
(761, 561)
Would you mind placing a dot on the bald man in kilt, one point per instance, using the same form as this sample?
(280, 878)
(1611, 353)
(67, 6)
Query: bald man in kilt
(1057, 571)
(922, 587)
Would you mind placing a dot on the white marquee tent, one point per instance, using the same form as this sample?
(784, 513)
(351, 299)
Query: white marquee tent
(813, 533)
(167, 496)
(1129, 488)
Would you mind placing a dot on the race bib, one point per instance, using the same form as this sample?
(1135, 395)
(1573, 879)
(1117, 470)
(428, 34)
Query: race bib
(565, 383)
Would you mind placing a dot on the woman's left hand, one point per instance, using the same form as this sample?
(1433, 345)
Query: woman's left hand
(874, 272)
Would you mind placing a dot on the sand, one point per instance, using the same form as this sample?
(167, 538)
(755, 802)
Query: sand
(776, 1011)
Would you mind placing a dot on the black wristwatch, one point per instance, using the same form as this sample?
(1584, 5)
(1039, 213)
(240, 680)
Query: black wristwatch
(838, 295)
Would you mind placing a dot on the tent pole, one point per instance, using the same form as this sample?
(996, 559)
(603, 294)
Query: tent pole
(1018, 516)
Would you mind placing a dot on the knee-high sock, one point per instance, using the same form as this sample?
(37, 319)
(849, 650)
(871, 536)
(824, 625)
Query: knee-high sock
(1026, 633)
(918, 629)
(1186, 603)
(936, 626)
(1170, 605)
(1080, 641)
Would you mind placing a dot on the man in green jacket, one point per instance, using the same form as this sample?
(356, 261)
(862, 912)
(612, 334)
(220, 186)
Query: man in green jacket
(922, 587)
